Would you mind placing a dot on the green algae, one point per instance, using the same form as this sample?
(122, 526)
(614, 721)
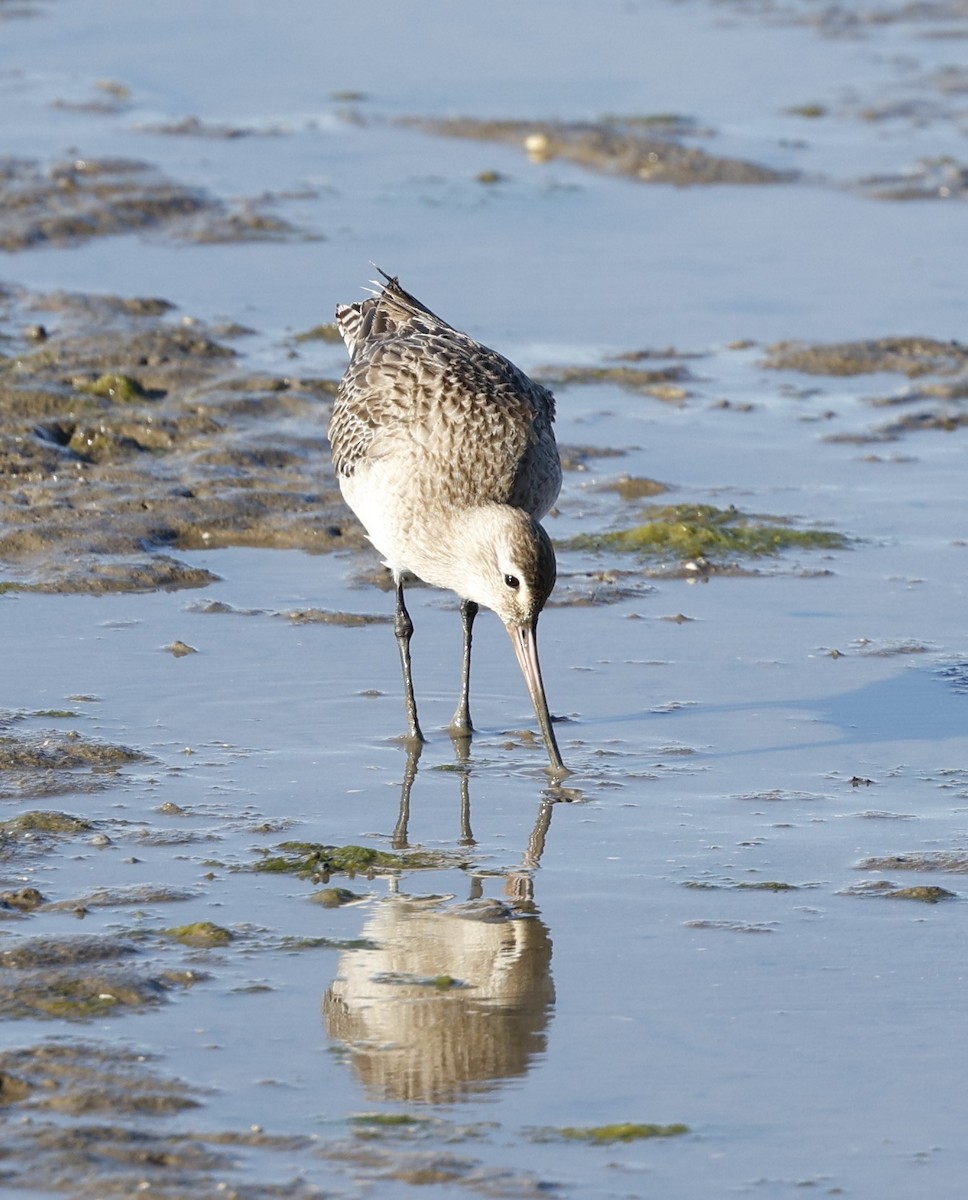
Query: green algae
(924, 892)
(604, 1135)
(768, 885)
(811, 111)
(665, 383)
(65, 1004)
(44, 821)
(313, 858)
(294, 943)
(200, 933)
(122, 389)
(885, 890)
(335, 897)
(408, 979)
(386, 1119)
(634, 488)
(689, 531)
(320, 333)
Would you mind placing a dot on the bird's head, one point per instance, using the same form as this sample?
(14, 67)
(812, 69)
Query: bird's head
(510, 568)
(510, 564)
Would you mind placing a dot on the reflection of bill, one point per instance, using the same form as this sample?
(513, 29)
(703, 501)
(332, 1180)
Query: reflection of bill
(452, 999)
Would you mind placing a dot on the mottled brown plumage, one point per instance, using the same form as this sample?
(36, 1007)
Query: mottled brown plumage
(445, 451)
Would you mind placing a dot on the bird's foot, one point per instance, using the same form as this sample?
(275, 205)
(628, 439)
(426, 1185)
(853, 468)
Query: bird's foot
(414, 741)
(461, 726)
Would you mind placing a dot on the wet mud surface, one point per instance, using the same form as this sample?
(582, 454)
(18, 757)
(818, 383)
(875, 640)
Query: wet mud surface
(129, 436)
(64, 203)
(127, 431)
(615, 146)
(935, 399)
(913, 357)
(69, 1103)
(438, 993)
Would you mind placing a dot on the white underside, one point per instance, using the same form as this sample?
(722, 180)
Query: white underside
(371, 496)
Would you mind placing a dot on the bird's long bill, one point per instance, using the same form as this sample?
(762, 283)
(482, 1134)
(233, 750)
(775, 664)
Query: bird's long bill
(524, 638)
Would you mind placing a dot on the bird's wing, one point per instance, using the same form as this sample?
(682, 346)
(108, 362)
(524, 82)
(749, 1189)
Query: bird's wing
(371, 413)
(415, 386)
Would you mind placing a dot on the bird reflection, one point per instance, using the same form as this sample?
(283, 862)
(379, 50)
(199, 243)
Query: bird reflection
(400, 833)
(450, 997)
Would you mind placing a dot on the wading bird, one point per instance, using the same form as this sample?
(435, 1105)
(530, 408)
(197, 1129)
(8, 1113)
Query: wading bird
(445, 451)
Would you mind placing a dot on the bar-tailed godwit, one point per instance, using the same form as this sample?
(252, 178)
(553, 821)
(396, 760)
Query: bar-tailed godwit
(445, 451)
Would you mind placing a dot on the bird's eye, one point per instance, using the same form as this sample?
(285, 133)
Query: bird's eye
(512, 581)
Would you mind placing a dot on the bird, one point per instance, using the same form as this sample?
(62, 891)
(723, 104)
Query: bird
(445, 451)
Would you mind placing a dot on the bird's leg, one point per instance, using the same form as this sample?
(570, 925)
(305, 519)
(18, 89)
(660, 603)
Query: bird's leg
(461, 725)
(403, 628)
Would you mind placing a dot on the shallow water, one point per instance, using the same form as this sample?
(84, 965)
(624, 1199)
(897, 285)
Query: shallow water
(691, 933)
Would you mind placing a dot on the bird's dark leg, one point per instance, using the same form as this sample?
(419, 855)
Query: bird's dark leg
(403, 628)
(461, 725)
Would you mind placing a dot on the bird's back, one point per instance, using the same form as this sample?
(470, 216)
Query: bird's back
(446, 420)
